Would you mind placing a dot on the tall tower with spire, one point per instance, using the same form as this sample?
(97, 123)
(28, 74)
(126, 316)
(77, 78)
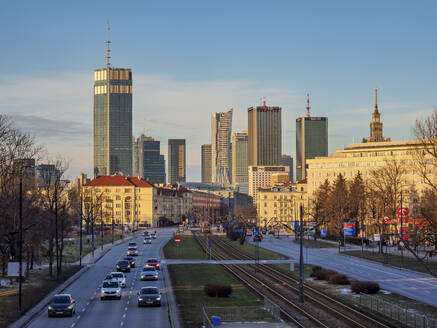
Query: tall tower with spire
(376, 124)
(112, 119)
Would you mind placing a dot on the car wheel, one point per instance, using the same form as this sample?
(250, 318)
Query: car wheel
(48, 314)
(119, 297)
(71, 313)
(102, 298)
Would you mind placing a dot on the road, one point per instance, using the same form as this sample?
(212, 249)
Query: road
(415, 285)
(91, 312)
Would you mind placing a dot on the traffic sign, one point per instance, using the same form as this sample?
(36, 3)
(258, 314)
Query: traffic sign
(323, 232)
(349, 229)
(238, 230)
(177, 240)
(402, 212)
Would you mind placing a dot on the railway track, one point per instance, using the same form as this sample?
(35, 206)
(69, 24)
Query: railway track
(279, 286)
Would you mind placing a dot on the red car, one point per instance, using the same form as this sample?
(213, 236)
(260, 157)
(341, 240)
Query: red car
(153, 262)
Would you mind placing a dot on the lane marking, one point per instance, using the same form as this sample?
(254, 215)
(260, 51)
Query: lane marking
(125, 308)
(121, 324)
(88, 303)
(73, 325)
(124, 316)
(78, 317)
(83, 310)
(128, 302)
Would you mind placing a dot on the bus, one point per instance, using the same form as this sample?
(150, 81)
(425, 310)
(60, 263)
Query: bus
(205, 227)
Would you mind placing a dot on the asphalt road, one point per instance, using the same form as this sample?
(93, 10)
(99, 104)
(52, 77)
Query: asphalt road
(415, 285)
(91, 312)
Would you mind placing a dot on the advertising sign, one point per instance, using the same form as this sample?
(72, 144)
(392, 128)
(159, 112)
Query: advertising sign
(296, 225)
(323, 232)
(349, 229)
(402, 212)
(377, 237)
(13, 269)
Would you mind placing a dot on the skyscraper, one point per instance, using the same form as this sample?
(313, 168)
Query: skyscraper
(376, 125)
(151, 164)
(206, 163)
(287, 160)
(265, 143)
(112, 120)
(239, 158)
(221, 128)
(311, 140)
(176, 160)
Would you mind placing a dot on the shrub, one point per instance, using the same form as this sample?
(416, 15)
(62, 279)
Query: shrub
(325, 274)
(217, 290)
(316, 269)
(339, 279)
(365, 287)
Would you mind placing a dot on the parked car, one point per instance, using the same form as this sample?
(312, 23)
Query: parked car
(149, 273)
(131, 260)
(120, 277)
(132, 245)
(147, 240)
(149, 296)
(153, 262)
(132, 251)
(110, 289)
(62, 304)
(123, 266)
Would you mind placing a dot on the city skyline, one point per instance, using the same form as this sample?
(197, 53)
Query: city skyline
(341, 87)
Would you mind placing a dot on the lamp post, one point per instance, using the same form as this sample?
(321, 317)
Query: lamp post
(80, 232)
(112, 222)
(101, 224)
(301, 300)
(56, 229)
(122, 215)
(20, 253)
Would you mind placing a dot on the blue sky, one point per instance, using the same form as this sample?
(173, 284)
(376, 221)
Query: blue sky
(192, 58)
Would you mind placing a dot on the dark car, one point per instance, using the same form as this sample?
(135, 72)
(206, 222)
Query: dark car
(123, 266)
(257, 237)
(62, 304)
(149, 296)
(131, 260)
(153, 262)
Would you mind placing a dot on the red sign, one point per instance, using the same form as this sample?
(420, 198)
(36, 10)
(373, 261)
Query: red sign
(402, 212)
(177, 240)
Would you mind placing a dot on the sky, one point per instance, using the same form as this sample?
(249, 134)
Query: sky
(194, 58)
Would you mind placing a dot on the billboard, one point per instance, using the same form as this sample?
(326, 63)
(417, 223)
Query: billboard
(349, 229)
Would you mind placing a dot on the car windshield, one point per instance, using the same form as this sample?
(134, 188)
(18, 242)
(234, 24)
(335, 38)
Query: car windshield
(123, 263)
(110, 284)
(149, 268)
(152, 261)
(145, 291)
(108, 277)
(117, 275)
(128, 258)
(132, 244)
(131, 248)
(61, 299)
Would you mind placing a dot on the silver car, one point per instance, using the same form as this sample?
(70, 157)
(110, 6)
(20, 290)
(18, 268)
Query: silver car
(149, 273)
(110, 289)
(120, 277)
(132, 251)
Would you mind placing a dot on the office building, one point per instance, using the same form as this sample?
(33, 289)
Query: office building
(287, 160)
(149, 163)
(311, 140)
(239, 158)
(261, 177)
(176, 160)
(112, 120)
(206, 163)
(264, 140)
(221, 128)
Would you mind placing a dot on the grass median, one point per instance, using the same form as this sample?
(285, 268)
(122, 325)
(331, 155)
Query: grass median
(311, 243)
(395, 260)
(35, 288)
(187, 249)
(188, 281)
(249, 249)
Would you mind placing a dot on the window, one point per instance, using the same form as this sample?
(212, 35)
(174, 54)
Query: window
(118, 213)
(118, 205)
(107, 190)
(117, 190)
(127, 190)
(117, 197)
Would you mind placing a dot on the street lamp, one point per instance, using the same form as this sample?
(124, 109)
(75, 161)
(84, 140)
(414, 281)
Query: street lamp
(80, 227)
(301, 300)
(20, 254)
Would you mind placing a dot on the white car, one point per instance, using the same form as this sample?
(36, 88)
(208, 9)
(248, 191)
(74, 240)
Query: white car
(147, 240)
(149, 273)
(132, 251)
(110, 289)
(120, 277)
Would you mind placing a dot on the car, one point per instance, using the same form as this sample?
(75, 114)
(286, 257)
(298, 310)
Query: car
(153, 262)
(108, 277)
(249, 233)
(154, 235)
(257, 237)
(123, 266)
(149, 273)
(149, 296)
(132, 251)
(146, 233)
(120, 277)
(131, 260)
(132, 245)
(147, 240)
(110, 289)
(62, 304)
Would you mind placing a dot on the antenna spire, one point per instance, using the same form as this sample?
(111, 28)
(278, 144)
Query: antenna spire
(108, 65)
(308, 105)
(376, 98)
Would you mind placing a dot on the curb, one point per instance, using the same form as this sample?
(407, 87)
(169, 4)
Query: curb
(26, 318)
(173, 314)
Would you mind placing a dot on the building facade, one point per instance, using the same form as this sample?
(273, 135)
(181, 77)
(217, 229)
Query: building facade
(260, 177)
(376, 134)
(239, 158)
(264, 135)
(221, 128)
(176, 160)
(206, 163)
(287, 160)
(112, 121)
(149, 163)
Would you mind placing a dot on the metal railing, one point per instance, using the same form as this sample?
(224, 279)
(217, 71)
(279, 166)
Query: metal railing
(408, 317)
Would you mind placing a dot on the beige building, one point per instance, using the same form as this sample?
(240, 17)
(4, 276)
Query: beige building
(260, 177)
(280, 204)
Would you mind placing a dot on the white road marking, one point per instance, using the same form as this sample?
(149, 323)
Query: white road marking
(83, 310)
(88, 303)
(78, 317)
(121, 324)
(128, 302)
(73, 325)
(124, 316)
(125, 308)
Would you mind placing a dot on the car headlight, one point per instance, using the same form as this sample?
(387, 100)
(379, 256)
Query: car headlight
(70, 307)
(118, 291)
(50, 307)
(118, 267)
(158, 298)
(140, 299)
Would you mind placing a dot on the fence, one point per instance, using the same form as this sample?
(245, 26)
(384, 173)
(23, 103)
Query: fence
(410, 318)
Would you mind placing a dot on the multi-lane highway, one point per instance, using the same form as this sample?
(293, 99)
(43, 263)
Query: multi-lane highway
(91, 312)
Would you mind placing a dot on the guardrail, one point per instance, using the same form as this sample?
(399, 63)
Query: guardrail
(9, 292)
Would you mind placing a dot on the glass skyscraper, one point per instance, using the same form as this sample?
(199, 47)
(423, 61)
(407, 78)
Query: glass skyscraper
(149, 163)
(176, 160)
(239, 158)
(206, 163)
(112, 121)
(221, 157)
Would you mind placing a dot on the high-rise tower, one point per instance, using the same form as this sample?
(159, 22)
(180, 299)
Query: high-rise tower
(150, 162)
(221, 128)
(206, 163)
(311, 140)
(112, 119)
(176, 160)
(239, 158)
(265, 135)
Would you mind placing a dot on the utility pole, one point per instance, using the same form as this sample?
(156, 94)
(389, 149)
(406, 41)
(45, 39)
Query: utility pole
(101, 223)
(20, 255)
(402, 234)
(56, 229)
(112, 223)
(301, 300)
(80, 232)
